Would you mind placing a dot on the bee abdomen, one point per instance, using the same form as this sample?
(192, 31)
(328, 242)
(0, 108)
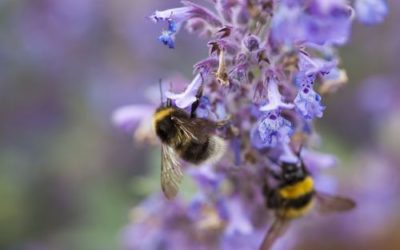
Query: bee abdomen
(195, 152)
(301, 201)
(211, 150)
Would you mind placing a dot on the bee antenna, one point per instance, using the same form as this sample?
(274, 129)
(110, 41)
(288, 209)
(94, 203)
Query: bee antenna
(161, 90)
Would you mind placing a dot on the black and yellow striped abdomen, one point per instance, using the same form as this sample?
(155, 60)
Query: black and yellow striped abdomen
(293, 200)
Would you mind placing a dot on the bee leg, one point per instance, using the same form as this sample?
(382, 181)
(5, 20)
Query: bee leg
(169, 102)
(193, 109)
(195, 105)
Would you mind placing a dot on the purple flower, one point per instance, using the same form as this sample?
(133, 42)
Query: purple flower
(174, 17)
(251, 42)
(177, 16)
(308, 102)
(186, 98)
(312, 66)
(271, 130)
(371, 11)
(275, 99)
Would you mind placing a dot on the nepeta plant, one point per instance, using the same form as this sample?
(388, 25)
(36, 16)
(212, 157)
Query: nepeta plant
(270, 63)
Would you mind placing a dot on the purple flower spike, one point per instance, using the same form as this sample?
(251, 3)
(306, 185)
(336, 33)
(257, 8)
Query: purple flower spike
(271, 131)
(371, 11)
(186, 98)
(275, 99)
(308, 103)
(269, 62)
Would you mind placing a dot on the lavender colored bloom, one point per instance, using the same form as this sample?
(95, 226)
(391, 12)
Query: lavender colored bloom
(313, 66)
(177, 16)
(251, 42)
(271, 130)
(371, 11)
(308, 102)
(174, 18)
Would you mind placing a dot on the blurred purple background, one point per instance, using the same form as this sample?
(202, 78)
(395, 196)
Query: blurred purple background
(69, 179)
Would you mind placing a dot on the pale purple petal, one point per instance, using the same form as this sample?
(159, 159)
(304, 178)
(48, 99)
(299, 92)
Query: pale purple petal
(177, 14)
(275, 99)
(188, 97)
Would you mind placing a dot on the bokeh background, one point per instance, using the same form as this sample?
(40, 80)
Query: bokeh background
(68, 178)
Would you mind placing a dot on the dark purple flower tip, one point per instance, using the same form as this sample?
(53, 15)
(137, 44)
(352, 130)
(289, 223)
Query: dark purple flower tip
(172, 26)
(251, 42)
(167, 39)
(371, 11)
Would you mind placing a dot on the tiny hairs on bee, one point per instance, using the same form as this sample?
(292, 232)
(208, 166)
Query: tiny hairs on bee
(294, 197)
(184, 137)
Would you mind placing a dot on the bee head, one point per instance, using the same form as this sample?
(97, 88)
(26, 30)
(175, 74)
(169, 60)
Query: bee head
(292, 172)
(163, 124)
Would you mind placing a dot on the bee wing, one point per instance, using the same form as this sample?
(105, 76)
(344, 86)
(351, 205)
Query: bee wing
(171, 173)
(277, 229)
(188, 127)
(327, 203)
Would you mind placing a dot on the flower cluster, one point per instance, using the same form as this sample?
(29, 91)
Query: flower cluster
(270, 63)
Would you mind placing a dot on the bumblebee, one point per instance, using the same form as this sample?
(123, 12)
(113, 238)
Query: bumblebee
(295, 197)
(184, 136)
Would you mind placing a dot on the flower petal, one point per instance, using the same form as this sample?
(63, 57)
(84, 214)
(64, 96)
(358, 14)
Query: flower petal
(275, 99)
(188, 97)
